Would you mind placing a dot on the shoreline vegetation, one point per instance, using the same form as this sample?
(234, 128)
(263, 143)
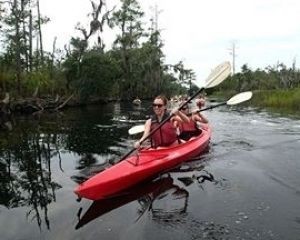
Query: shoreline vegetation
(85, 72)
(278, 99)
(281, 100)
(276, 88)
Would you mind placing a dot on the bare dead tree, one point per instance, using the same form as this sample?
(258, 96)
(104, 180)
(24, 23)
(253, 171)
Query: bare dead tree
(96, 24)
(40, 32)
(30, 41)
(24, 33)
(16, 13)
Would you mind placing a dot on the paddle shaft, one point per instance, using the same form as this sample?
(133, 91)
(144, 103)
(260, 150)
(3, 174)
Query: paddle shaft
(208, 108)
(236, 99)
(163, 122)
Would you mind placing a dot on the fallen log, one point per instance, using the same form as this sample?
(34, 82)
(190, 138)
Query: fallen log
(64, 103)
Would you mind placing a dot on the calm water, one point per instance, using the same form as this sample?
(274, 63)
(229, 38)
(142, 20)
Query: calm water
(247, 186)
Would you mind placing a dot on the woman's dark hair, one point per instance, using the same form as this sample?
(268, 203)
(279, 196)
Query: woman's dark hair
(163, 98)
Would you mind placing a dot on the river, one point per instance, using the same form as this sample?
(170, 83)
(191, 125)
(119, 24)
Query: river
(246, 186)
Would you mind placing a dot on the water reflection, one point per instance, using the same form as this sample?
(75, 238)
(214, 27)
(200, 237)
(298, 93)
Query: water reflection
(88, 165)
(170, 205)
(26, 174)
(150, 190)
(164, 198)
(28, 152)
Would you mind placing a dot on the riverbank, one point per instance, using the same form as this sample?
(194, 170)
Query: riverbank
(35, 105)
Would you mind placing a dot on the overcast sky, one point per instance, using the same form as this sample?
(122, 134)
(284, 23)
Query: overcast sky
(201, 32)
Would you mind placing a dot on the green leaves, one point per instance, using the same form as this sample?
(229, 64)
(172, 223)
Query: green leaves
(99, 73)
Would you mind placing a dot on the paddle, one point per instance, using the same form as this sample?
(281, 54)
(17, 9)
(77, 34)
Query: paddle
(236, 99)
(136, 129)
(218, 75)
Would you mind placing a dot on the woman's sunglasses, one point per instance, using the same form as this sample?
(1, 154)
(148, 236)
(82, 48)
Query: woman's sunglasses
(157, 105)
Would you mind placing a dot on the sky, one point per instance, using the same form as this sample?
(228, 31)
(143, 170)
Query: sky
(200, 33)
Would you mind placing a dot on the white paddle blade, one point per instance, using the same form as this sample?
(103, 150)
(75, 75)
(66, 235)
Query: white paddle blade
(241, 97)
(218, 75)
(136, 129)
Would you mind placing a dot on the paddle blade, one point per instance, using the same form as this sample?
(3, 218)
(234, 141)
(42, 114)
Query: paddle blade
(241, 97)
(218, 75)
(136, 129)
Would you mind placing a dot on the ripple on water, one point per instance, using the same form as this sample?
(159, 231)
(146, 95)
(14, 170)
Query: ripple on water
(235, 144)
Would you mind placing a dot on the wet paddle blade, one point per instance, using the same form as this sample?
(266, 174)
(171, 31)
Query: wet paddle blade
(218, 75)
(241, 97)
(136, 129)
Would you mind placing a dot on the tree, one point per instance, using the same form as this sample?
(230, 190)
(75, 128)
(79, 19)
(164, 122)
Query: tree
(72, 65)
(128, 20)
(98, 75)
(20, 27)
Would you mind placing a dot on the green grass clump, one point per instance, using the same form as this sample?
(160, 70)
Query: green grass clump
(281, 99)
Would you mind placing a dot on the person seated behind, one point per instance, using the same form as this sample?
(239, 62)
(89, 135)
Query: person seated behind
(166, 135)
(200, 102)
(190, 129)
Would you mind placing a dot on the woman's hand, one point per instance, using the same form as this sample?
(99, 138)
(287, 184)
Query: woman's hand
(137, 144)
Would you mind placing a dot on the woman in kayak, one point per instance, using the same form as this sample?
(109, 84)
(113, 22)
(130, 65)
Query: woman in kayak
(166, 135)
(191, 128)
(200, 102)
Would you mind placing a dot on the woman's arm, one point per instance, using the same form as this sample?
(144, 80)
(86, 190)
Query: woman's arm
(199, 117)
(137, 144)
(179, 116)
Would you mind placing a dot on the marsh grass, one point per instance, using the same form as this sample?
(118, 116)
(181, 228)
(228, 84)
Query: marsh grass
(281, 99)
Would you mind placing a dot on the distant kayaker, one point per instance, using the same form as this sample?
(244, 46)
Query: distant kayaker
(166, 135)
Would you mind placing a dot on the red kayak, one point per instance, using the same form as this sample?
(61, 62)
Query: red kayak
(142, 165)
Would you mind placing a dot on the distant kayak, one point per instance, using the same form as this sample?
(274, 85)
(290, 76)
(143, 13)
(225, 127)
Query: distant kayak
(146, 163)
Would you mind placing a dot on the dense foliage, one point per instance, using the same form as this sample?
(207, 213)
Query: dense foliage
(134, 66)
(271, 78)
(276, 86)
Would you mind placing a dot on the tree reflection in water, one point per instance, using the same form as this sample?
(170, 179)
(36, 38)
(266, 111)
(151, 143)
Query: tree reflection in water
(26, 153)
(25, 162)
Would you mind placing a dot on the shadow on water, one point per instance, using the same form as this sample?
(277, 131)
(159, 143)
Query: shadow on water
(151, 196)
(144, 193)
